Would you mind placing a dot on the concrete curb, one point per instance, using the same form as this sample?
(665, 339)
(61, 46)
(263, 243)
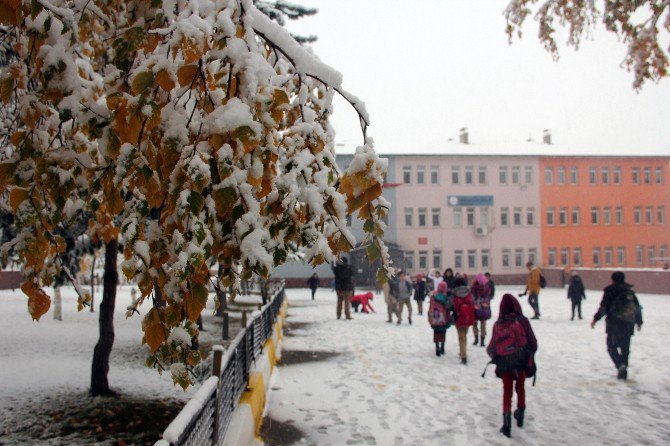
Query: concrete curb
(245, 424)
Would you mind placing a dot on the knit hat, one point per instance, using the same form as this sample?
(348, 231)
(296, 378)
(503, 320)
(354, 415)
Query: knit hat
(618, 277)
(442, 288)
(481, 279)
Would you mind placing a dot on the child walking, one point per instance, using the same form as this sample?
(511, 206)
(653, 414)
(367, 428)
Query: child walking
(512, 349)
(464, 311)
(439, 316)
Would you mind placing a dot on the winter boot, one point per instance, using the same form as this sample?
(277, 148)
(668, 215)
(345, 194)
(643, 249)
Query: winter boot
(442, 348)
(623, 372)
(438, 352)
(506, 428)
(464, 361)
(476, 340)
(481, 341)
(518, 416)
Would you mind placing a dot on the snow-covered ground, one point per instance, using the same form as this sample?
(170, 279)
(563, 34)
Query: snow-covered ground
(387, 387)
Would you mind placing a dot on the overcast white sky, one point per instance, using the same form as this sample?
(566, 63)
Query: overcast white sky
(426, 68)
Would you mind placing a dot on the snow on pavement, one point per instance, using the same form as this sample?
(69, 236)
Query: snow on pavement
(387, 387)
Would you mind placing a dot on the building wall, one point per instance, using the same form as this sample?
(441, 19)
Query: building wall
(599, 238)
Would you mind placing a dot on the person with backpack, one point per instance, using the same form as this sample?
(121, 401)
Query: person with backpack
(464, 312)
(313, 283)
(533, 286)
(481, 296)
(576, 293)
(622, 313)
(440, 311)
(512, 349)
(344, 287)
(403, 297)
(420, 292)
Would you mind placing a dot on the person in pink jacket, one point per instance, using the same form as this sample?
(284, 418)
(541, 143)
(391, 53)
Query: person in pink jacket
(363, 300)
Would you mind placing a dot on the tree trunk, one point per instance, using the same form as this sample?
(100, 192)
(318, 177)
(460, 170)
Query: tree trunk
(100, 366)
(93, 283)
(58, 313)
(220, 293)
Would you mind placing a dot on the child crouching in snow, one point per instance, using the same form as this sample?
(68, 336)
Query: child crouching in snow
(439, 316)
(363, 300)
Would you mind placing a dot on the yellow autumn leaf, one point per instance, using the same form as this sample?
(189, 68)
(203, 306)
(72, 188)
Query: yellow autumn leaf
(17, 196)
(186, 74)
(142, 81)
(196, 302)
(164, 80)
(154, 332)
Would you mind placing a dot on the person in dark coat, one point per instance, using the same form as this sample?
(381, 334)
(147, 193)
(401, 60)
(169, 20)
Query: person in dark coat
(493, 285)
(449, 277)
(344, 287)
(576, 293)
(420, 292)
(619, 331)
(313, 283)
(510, 310)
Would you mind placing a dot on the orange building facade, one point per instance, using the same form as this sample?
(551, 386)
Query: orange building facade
(603, 212)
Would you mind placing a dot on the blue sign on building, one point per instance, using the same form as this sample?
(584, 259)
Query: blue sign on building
(470, 200)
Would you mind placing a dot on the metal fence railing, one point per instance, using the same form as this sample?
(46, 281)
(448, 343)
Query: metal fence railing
(205, 418)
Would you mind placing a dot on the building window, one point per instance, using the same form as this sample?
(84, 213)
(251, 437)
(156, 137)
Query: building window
(434, 174)
(663, 253)
(637, 215)
(409, 214)
(605, 175)
(458, 217)
(574, 175)
(472, 258)
(409, 259)
(502, 174)
(420, 174)
(518, 257)
(528, 170)
(470, 216)
(422, 217)
(517, 216)
(436, 216)
(482, 174)
(550, 216)
(621, 255)
(504, 216)
(437, 259)
(607, 254)
(636, 175)
(563, 216)
(516, 174)
(639, 254)
(651, 254)
(618, 215)
(596, 256)
(607, 215)
(423, 260)
(565, 256)
(659, 175)
(575, 216)
(560, 175)
(455, 174)
(595, 211)
(532, 255)
(458, 259)
(469, 175)
(577, 256)
(505, 258)
(593, 175)
(530, 216)
(647, 175)
(486, 258)
(648, 214)
(660, 215)
(407, 174)
(616, 175)
(484, 216)
(548, 175)
(551, 256)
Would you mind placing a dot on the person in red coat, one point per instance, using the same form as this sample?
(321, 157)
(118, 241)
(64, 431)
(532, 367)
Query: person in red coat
(363, 300)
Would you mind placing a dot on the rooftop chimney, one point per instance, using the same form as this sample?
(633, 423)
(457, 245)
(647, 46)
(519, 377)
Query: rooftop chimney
(463, 136)
(546, 136)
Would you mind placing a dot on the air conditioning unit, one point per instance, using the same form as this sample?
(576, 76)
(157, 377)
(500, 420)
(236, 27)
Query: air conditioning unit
(481, 231)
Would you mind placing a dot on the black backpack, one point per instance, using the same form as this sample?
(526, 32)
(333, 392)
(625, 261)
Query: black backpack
(626, 307)
(543, 281)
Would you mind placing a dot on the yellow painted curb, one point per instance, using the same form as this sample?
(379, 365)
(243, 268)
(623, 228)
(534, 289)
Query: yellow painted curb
(269, 349)
(255, 398)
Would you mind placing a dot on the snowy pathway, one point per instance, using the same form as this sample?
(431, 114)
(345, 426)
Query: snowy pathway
(387, 387)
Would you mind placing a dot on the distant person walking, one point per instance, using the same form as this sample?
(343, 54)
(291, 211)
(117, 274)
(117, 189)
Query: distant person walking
(344, 286)
(464, 311)
(533, 288)
(403, 296)
(512, 349)
(313, 283)
(420, 292)
(491, 283)
(481, 296)
(440, 316)
(389, 297)
(576, 294)
(622, 312)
